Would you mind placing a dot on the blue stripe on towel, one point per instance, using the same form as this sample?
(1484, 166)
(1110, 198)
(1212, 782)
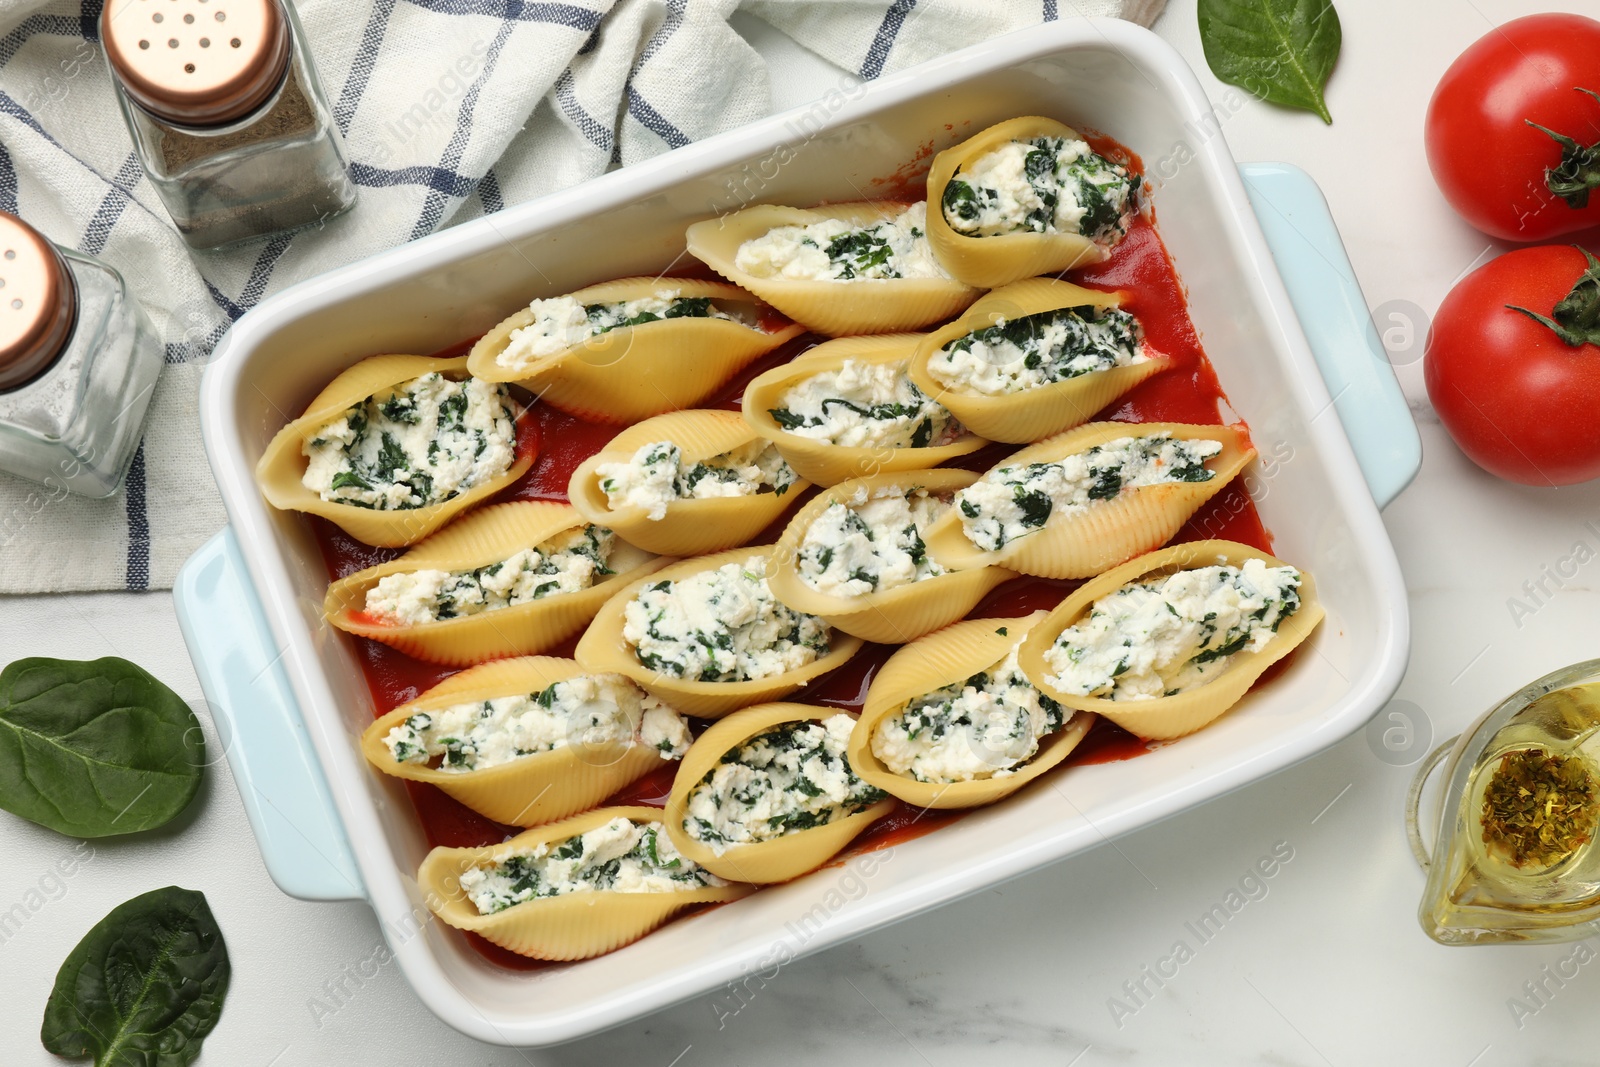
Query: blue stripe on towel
(8, 182)
(445, 181)
(883, 41)
(654, 121)
(355, 85)
(256, 284)
(1050, 12)
(138, 576)
(578, 18)
(489, 193)
(111, 206)
(596, 132)
(434, 204)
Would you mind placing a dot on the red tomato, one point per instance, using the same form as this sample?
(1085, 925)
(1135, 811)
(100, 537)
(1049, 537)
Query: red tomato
(1500, 173)
(1519, 399)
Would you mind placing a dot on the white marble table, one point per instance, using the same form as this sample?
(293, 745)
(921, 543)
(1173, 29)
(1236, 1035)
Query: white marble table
(1329, 967)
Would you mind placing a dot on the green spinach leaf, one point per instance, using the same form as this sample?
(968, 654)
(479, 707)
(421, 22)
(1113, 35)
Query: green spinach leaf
(95, 748)
(1279, 50)
(144, 987)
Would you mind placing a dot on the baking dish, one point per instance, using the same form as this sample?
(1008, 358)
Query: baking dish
(291, 701)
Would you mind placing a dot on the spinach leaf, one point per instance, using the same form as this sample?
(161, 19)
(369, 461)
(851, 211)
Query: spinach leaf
(144, 987)
(1279, 50)
(95, 748)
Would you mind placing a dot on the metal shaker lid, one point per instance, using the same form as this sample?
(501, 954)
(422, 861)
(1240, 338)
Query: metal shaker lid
(38, 303)
(197, 62)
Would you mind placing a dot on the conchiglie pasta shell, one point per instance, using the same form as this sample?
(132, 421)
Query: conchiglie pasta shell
(529, 790)
(690, 527)
(1168, 717)
(1032, 414)
(484, 537)
(603, 648)
(282, 466)
(836, 308)
(990, 262)
(761, 862)
(826, 464)
(893, 616)
(634, 372)
(576, 926)
(1106, 532)
(951, 655)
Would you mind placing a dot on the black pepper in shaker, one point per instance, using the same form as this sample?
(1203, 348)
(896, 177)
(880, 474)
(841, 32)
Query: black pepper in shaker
(227, 115)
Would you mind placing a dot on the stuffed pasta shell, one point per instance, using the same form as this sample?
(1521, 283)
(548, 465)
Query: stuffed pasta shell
(512, 579)
(768, 794)
(1088, 499)
(1033, 359)
(855, 557)
(1025, 197)
(1166, 643)
(395, 447)
(572, 890)
(686, 483)
(847, 409)
(707, 636)
(528, 740)
(951, 720)
(625, 350)
(841, 269)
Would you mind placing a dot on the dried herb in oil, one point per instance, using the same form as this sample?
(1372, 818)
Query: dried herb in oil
(1539, 808)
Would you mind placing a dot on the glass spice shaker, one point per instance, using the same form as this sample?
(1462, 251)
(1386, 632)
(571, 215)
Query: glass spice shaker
(227, 115)
(78, 362)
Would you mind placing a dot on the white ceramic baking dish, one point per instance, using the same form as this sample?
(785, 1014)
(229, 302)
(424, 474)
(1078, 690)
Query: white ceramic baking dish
(330, 828)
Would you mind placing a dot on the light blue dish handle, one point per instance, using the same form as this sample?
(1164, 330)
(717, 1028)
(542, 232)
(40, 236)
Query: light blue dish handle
(258, 721)
(1327, 298)
(285, 794)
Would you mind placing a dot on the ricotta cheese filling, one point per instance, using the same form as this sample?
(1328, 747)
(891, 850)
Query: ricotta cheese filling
(1169, 635)
(788, 779)
(865, 405)
(561, 322)
(1012, 502)
(721, 625)
(1043, 185)
(656, 476)
(836, 251)
(984, 727)
(599, 711)
(422, 442)
(621, 856)
(864, 545)
(1024, 353)
(566, 563)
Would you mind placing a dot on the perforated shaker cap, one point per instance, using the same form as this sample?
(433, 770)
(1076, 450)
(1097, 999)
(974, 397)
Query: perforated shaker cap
(38, 303)
(197, 62)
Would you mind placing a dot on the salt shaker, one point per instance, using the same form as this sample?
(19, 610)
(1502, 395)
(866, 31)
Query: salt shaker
(78, 362)
(227, 115)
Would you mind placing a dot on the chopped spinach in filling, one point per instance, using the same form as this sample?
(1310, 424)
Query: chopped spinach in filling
(423, 442)
(984, 727)
(837, 251)
(567, 563)
(1033, 350)
(721, 625)
(1168, 635)
(793, 777)
(1042, 185)
(621, 856)
(872, 545)
(656, 476)
(865, 405)
(1013, 502)
(559, 323)
(590, 711)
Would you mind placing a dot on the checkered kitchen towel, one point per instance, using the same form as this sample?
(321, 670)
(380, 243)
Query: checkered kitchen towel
(450, 109)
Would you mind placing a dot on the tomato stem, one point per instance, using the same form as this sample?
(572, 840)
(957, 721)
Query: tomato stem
(1576, 318)
(1579, 171)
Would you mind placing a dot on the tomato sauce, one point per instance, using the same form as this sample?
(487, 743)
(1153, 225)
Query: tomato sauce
(1187, 392)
